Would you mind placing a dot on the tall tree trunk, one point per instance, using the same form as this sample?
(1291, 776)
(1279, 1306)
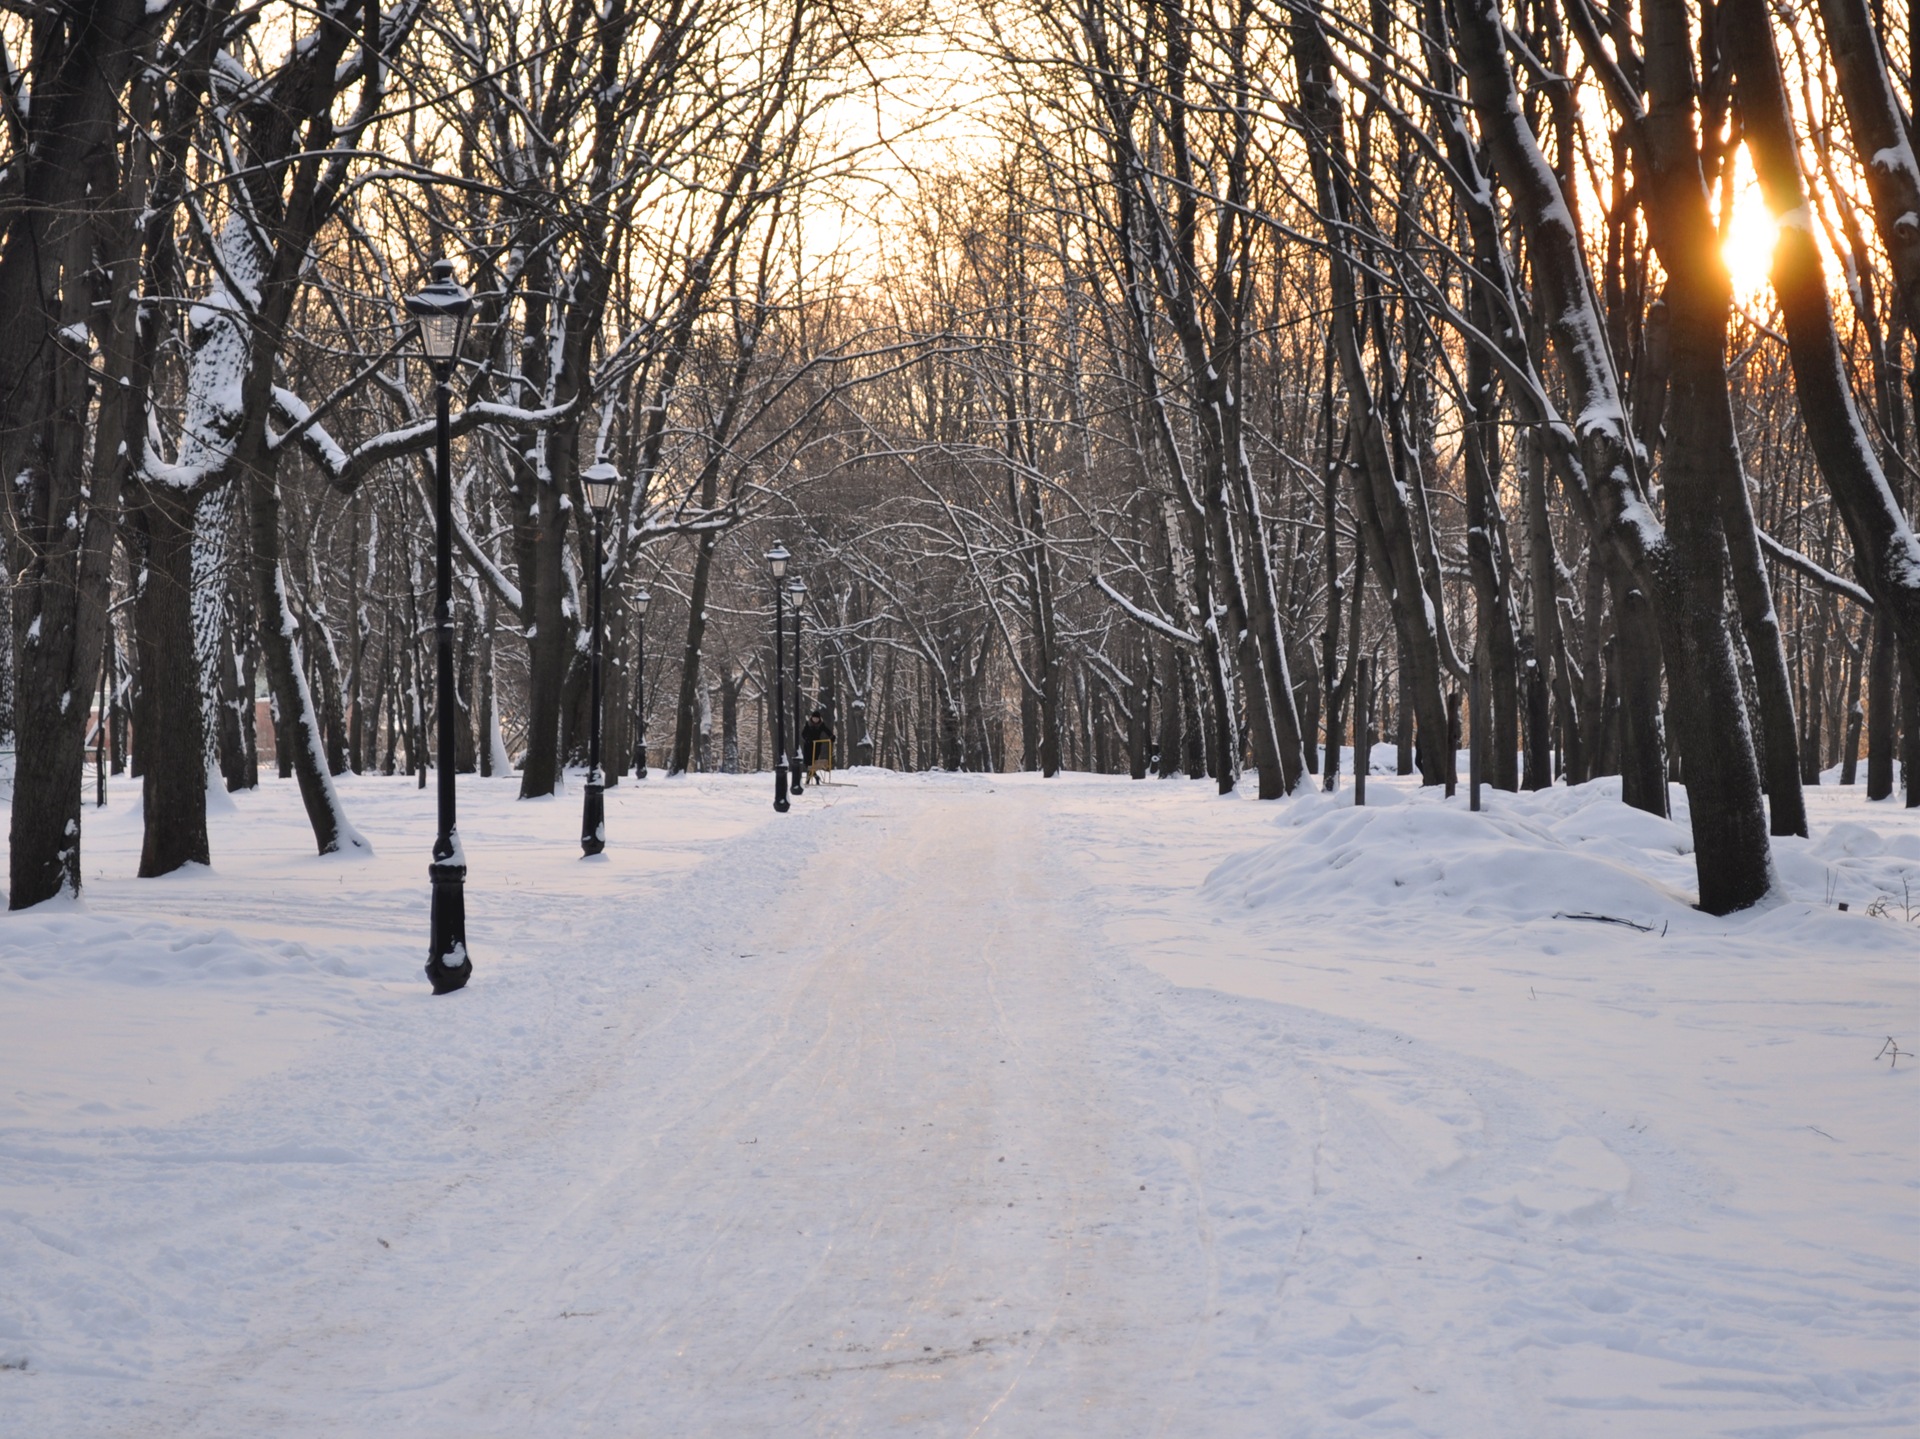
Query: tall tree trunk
(687, 711)
(1882, 702)
(1850, 746)
(59, 537)
(541, 542)
(1037, 576)
(1640, 742)
(1813, 706)
(1332, 683)
(1496, 651)
(174, 785)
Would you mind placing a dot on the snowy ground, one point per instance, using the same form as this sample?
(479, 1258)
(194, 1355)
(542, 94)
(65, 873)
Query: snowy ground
(957, 1106)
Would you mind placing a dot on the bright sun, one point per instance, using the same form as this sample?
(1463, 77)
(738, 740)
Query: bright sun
(1750, 235)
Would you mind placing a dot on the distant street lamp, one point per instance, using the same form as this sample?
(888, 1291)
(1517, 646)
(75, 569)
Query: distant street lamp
(442, 311)
(797, 592)
(640, 603)
(777, 558)
(597, 482)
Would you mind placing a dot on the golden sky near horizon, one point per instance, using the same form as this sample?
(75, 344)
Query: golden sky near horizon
(936, 109)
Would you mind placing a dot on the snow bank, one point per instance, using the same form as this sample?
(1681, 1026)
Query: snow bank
(1556, 854)
(41, 947)
(1581, 851)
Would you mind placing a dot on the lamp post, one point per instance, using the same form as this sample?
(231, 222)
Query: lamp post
(777, 558)
(597, 482)
(442, 310)
(640, 603)
(797, 592)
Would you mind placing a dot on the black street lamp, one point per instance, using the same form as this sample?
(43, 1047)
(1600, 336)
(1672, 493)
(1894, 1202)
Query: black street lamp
(797, 592)
(640, 603)
(442, 311)
(597, 482)
(777, 558)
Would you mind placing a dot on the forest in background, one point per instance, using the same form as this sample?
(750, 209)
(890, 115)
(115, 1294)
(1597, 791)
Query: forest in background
(1256, 375)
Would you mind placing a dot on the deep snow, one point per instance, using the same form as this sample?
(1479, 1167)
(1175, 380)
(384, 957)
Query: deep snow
(956, 1105)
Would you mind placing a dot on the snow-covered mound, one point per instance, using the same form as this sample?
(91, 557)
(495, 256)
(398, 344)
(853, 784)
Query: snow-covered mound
(1557, 853)
(65, 942)
(1530, 857)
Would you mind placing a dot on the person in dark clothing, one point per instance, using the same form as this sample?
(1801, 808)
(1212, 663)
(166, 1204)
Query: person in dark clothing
(816, 745)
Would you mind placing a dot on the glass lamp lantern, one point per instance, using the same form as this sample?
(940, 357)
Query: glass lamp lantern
(599, 481)
(442, 311)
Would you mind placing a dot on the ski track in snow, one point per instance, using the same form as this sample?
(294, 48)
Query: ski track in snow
(958, 1106)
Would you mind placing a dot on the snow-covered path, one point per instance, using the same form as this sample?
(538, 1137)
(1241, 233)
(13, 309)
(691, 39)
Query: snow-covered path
(854, 1172)
(883, 1119)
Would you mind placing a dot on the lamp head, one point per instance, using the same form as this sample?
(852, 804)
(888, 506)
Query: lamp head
(442, 310)
(640, 602)
(777, 558)
(796, 586)
(598, 481)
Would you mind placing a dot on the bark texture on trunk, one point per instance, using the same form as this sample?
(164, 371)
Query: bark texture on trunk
(687, 708)
(174, 787)
(1496, 721)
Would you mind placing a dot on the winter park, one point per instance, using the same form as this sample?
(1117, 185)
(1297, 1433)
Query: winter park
(749, 719)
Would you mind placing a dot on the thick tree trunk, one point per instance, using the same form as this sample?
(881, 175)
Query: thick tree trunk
(1332, 682)
(1856, 715)
(1910, 725)
(174, 786)
(1882, 700)
(1140, 711)
(1171, 741)
(1036, 574)
(1813, 708)
(1275, 721)
(687, 710)
(210, 531)
(59, 541)
(1639, 750)
(550, 640)
(730, 722)
(1201, 733)
(1496, 650)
